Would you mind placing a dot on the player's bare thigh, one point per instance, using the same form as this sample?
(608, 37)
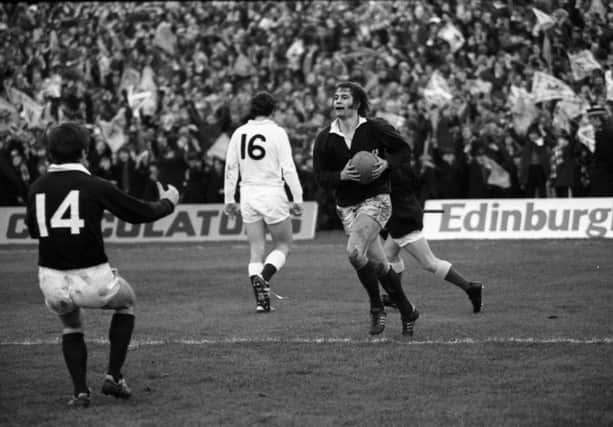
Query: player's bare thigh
(364, 230)
(281, 233)
(124, 299)
(391, 248)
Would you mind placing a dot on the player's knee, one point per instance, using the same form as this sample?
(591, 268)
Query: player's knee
(356, 257)
(438, 267)
(125, 298)
(397, 264)
(283, 247)
(430, 265)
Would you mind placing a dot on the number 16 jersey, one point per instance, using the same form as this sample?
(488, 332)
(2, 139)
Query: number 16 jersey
(260, 153)
(64, 211)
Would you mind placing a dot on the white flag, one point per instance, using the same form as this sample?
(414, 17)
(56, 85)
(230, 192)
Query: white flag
(164, 38)
(608, 76)
(113, 132)
(598, 8)
(437, 90)
(147, 84)
(573, 107)
(8, 114)
(136, 99)
(523, 109)
(587, 136)
(546, 87)
(499, 176)
(453, 36)
(129, 78)
(582, 64)
(568, 109)
(32, 111)
(543, 21)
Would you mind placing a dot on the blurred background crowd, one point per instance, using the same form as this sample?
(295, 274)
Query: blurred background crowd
(162, 85)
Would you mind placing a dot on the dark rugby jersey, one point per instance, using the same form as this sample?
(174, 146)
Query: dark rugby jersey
(331, 153)
(64, 212)
(407, 212)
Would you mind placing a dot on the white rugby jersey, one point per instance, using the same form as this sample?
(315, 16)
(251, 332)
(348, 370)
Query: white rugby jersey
(261, 153)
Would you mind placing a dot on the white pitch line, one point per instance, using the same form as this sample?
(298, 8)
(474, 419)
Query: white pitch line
(322, 340)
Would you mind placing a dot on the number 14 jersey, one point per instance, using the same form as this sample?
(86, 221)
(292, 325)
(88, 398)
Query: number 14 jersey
(64, 211)
(260, 153)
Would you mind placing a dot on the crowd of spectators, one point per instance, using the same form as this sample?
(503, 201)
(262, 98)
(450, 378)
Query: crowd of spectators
(201, 62)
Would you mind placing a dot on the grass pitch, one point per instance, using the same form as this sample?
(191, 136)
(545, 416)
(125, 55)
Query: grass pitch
(540, 353)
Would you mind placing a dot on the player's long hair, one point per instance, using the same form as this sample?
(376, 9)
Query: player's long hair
(358, 94)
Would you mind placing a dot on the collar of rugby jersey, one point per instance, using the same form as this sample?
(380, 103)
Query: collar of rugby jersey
(64, 167)
(335, 128)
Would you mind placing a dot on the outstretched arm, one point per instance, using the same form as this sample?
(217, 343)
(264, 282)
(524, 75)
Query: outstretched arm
(135, 211)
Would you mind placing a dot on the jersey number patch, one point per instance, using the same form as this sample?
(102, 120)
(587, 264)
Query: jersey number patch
(255, 151)
(70, 202)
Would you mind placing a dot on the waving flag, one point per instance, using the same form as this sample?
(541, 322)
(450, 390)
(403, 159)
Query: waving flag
(32, 111)
(543, 21)
(522, 108)
(164, 38)
(545, 87)
(113, 132)
(8, 114)
(587, 136)
(437, 90)
(499, 176)
(453, 36)
(582, 64)
(129, 78)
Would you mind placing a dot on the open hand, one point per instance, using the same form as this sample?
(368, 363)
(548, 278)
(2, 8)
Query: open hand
(171, 193)
(380, 167)
(350, 173)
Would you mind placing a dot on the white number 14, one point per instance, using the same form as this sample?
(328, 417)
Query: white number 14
(71, 201)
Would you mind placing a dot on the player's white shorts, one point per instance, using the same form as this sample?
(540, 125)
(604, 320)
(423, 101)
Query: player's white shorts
(268, 203)
(65, 290)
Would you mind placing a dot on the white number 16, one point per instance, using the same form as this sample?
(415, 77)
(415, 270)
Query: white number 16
(71, 201)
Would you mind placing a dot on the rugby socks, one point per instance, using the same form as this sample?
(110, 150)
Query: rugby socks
(120, 334)
(398, 267)
(274, 261)
(75, 356)
(390, 281)
(457, 279)
(368, 278)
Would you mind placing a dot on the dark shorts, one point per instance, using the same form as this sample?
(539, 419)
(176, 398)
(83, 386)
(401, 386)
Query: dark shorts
(407, 217)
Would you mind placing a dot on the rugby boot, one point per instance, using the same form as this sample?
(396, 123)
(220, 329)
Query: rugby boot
(261, 290)
(118, 389)
(377, 321)
(81, 400)
(408, 323)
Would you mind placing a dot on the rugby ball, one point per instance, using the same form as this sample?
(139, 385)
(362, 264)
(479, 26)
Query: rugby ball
(364, 162)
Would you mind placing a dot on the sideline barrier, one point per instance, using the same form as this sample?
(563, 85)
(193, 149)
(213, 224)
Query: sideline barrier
(188, 223)
(578, 218)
